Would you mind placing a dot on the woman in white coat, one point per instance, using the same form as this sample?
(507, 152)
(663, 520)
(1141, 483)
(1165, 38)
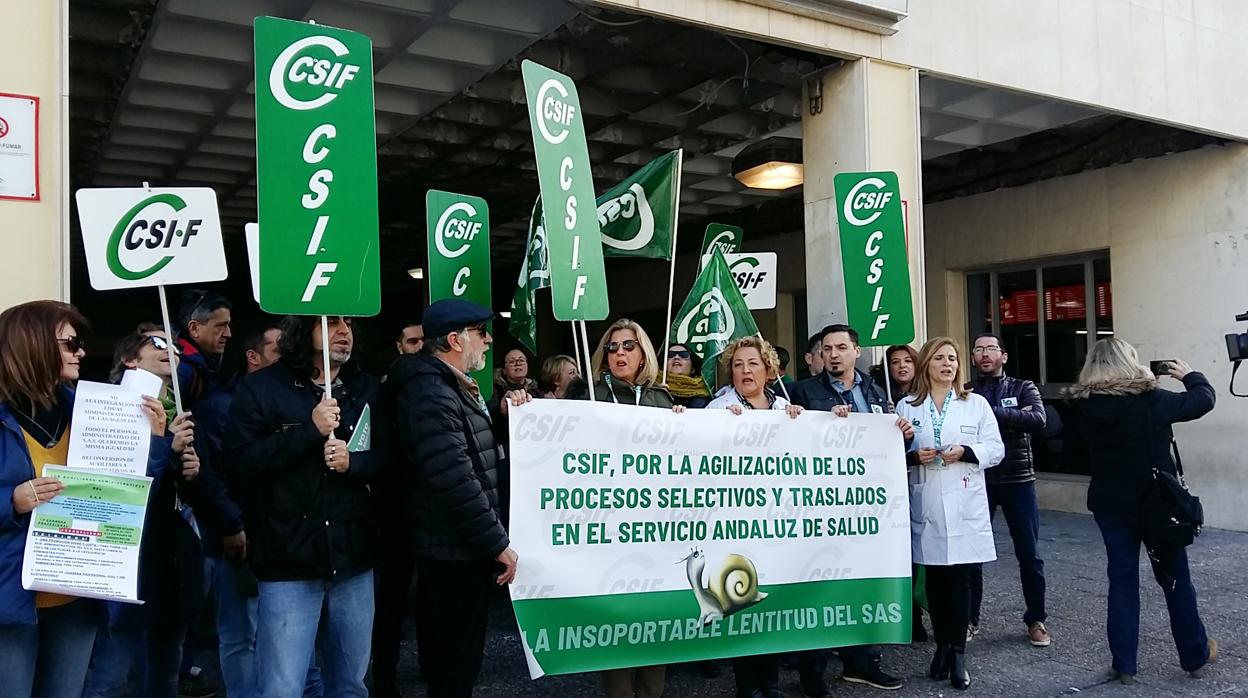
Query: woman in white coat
(955, 438)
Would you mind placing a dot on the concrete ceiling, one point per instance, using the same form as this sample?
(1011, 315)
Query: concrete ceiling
(162, 91)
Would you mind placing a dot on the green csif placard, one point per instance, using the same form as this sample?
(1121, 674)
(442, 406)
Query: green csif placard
(316, 170)
(578, 280)
(726, 237)
(873, 257)
(459, 257)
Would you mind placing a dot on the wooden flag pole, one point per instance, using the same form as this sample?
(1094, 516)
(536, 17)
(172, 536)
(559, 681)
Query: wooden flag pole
(173, 363)
(585, 346)
(329, 393)
(671, 277)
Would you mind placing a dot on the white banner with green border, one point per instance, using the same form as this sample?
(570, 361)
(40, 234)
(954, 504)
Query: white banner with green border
(647, 537)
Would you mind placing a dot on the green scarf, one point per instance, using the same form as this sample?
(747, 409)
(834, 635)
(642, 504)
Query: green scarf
(684, 387)
(171, 407)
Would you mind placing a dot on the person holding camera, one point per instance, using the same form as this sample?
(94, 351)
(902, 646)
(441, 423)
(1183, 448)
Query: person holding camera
(1126, 421)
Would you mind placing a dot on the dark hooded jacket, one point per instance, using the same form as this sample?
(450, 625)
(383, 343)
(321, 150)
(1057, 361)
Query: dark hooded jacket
(304, 521)
(1126, 426)
(620, 393)
(447, 459)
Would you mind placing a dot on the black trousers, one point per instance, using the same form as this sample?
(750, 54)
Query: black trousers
(452, 609)
(756, 673)
(394, 584)
(949, 603)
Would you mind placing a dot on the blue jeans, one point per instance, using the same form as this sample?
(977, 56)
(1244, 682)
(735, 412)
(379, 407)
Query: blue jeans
(49, 659)
(289, 615)
(1022, 515)
(1122, 549)
(148, 638)
(236, 630)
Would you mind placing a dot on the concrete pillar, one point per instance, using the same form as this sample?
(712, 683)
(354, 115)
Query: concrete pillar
(35, 233)
(869, 121)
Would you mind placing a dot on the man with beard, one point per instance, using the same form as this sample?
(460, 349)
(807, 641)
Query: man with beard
(311, 527)
(1020, 413)
(449, 462)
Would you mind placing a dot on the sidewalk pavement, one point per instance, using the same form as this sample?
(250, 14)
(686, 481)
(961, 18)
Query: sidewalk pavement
(1002, 663)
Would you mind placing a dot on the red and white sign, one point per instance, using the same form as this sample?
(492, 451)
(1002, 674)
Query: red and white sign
(19, 147)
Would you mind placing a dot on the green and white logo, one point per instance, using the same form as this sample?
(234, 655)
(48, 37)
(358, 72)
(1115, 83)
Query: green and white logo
(148, 237)
(316, 170)
(459, 257)
(713, 315)
(578, 280)
(723, 237)
(873, 256)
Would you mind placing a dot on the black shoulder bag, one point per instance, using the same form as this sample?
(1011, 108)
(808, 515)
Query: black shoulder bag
(1170, 516)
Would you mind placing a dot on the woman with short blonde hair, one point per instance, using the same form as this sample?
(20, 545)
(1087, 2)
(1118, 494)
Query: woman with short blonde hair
(557, 372)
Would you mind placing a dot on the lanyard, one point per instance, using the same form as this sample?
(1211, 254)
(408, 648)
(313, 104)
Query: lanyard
(938, 419)
(771, 399)
(606, 377)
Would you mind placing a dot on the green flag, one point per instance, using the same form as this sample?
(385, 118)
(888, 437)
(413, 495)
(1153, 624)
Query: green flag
(713, 316)
(637, 215)
(534, 274)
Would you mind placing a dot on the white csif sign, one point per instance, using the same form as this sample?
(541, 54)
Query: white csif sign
(755, 274)
(140, 237)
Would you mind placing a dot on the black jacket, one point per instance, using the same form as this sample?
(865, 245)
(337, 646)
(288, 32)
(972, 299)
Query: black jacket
(304, 521)
(1128, 433)
(447, 449)
(817, 393)
(1018, 420)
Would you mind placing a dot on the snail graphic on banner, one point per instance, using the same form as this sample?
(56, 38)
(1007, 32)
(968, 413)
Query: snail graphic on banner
(730, 588)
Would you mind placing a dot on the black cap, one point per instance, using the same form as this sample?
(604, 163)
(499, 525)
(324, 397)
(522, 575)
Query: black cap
(452, 315)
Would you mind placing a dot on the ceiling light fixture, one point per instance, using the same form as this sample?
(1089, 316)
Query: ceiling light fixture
(772, 163)
(417, 273)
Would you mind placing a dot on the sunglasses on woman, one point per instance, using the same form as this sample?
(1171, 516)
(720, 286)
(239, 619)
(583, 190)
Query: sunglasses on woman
(162, 344)
(678, 354)
(73, 344)
(626, 345)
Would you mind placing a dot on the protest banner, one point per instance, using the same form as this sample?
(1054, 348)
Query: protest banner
(85, 541)
(142, 237)
(873, 256)
(458, 245)
(648, 537)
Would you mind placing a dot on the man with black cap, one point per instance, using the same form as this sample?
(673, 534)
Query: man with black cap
(451, 460)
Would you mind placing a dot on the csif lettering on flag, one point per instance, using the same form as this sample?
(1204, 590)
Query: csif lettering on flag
(713, 315)
(577, 278)
(874, 258)
(316, 170)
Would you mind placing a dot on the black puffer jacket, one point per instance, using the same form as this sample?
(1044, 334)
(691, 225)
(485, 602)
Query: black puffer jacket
(303, 520)
(817, 393)
(1127, 430)
(450, 462)
(1020, 413)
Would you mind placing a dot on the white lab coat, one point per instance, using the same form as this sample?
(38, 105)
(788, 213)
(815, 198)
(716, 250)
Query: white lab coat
(949, 523)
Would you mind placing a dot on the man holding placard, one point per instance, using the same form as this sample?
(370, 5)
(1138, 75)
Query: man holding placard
(306, 461)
